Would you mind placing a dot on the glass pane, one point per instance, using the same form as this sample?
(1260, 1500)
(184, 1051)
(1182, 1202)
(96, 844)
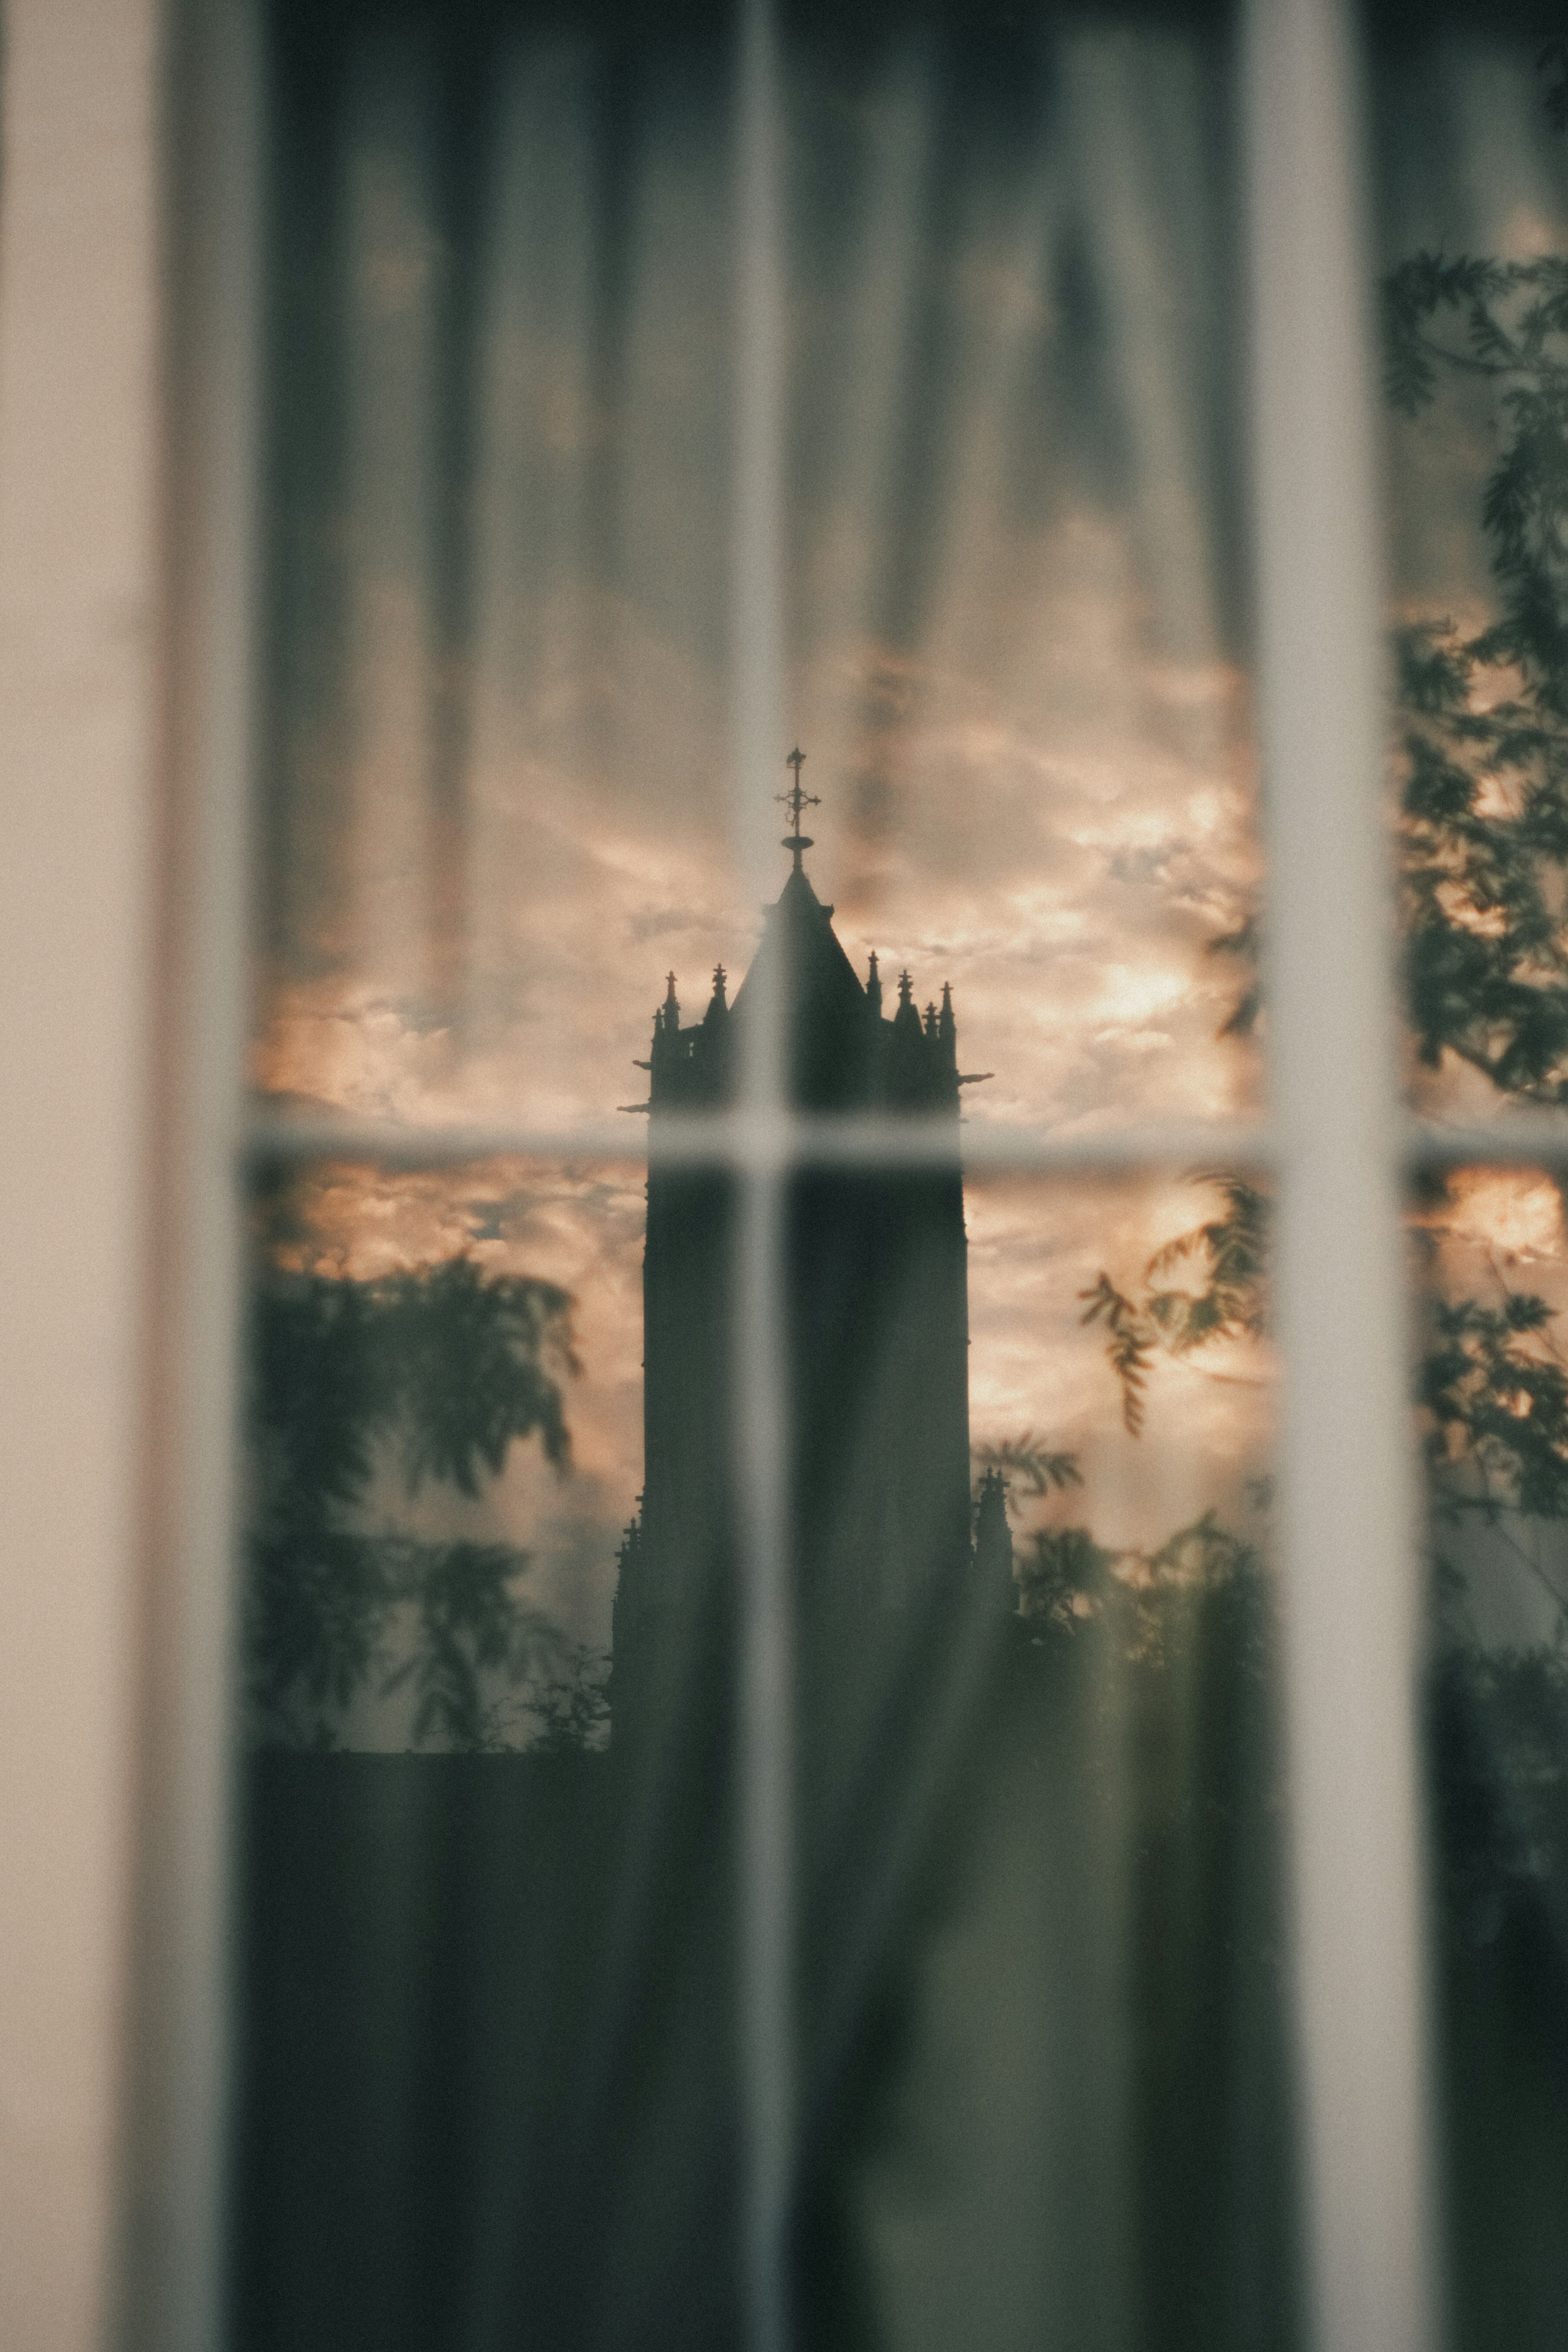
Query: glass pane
(502, 268)
(1044, 2086)
(1494, 1410)
(1473, 252)
(487, 2064)
(499, 800)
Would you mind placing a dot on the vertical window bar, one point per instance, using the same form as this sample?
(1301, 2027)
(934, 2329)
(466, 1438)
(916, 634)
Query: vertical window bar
(1345, 1455)
(78, 407)
(173, 2288)
(765, 1675)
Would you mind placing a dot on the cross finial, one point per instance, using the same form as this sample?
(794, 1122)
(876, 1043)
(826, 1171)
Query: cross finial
(795, 800)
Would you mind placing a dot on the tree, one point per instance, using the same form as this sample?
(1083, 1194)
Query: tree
(1482, 761)
(443, 1368)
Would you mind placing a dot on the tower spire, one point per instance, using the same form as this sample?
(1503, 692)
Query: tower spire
(795, 800)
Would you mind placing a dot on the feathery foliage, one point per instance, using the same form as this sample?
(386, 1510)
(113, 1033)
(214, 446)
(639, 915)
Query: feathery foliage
(1483, 750)
(1029, 1465)
(1208, 1284)
(1494, 1394)
(446, 1367)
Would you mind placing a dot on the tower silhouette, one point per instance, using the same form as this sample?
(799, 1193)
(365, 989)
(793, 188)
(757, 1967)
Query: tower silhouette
(876, 1344)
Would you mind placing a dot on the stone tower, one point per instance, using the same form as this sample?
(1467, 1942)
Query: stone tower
(874, 1285)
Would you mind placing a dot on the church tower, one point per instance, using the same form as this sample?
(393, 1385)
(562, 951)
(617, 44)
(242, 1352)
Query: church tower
(875, 1292)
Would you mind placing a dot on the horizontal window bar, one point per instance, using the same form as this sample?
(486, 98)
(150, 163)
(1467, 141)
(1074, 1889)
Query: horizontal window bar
(764, 1143)
(1523, 1139)
(748, 1139)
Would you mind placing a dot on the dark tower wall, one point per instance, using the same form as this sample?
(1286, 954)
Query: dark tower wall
(671, 1637)
(878, 1318)
(875, 1287)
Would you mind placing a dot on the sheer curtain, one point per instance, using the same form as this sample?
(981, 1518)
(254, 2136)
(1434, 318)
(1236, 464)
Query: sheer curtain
(569, 416)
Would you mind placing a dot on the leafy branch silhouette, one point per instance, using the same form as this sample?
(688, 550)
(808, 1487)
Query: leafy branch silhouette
(1483, 755)
(449, 1367)
(1225, 1259)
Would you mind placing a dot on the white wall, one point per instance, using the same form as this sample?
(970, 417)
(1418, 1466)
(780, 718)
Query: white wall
(77, 829)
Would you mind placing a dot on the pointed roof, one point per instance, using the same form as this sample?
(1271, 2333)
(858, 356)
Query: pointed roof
(826, 1007)
(840, 1054)
(799, 933)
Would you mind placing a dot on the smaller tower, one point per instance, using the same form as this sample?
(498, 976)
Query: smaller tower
(628, 1627)
(994, 1544)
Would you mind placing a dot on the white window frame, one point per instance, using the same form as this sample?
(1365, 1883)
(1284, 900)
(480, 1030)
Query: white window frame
(130, 210)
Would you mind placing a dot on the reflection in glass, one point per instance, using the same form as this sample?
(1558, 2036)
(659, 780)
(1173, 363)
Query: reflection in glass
(490, 2078)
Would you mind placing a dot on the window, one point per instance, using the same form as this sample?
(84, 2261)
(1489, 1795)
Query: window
(425, 355)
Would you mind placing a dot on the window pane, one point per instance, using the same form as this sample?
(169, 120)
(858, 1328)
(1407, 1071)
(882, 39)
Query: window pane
(1044, 2085)
(499, 799)
(1493, 1397)
(1473, 252)
(1473, 248)
(487, 2066)
(502, 268)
